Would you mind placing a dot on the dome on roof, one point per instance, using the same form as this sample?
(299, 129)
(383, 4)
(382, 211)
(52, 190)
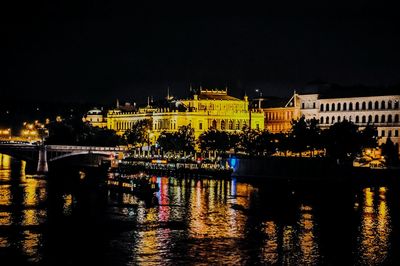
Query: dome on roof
(94, 111)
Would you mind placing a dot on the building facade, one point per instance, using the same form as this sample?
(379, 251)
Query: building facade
(380, 111)
(205, 110)
(96, 118)
(278, 113)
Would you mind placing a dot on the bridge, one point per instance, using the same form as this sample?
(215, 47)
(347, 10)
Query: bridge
(42, 155)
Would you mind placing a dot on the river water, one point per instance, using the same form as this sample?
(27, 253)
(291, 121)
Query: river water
(196, 222)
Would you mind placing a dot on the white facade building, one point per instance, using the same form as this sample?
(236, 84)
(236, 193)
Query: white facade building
(383, 112)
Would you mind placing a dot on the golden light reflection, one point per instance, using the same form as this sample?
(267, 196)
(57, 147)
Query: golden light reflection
(271, 244)
(375, 228)
(67, 206)
(308, 245)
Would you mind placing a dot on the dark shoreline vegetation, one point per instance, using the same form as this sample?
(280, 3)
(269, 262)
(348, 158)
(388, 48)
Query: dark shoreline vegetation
(343, 141)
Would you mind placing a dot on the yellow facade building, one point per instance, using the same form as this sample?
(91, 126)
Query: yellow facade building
(205, 110)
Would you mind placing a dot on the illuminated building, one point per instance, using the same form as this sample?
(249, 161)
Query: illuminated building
(206, 109)
(381, 111)
(278, 113)
(96, 118)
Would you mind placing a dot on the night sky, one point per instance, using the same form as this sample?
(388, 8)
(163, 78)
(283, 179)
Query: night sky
(99, 52)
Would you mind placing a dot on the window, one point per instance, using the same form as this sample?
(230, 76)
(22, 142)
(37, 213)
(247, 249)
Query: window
(383, 105)
(376, 119)
(350, 106)
(333, 120)
(383, 119)
(396, 105)
(369, 118)
(223, 125)
(333, 107)
(214, 124)
(302, 105)
(344, 106)
(327, 107)
(321, 107)
(396, 118)
(327, 120)
(313, 105)
(338, 118)
(338, 106)
(389, 133)
(389, 118)
(363, 119)
(396, 133)
(258, 126)
(390, 105)
(357, 119)
(376, 105)
(383, 133)
(363, 106)
(369, 105)
(200, 126)
(321, 119)
(357, 106)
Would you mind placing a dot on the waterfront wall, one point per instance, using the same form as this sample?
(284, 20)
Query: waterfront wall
(285, 167)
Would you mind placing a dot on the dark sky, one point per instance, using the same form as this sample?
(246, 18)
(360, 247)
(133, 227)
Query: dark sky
(98, 52)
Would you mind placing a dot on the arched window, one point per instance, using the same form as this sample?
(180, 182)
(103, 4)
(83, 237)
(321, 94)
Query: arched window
(390, 105)
(370, 118)
(313, 105)
(383, 105)
(350, 106)
(338, 106)
(322, 120)
(369, 105)
(344, 118)
(383, 119)
(396, 118)
(338, 118)
(350, 118)
(357, 119)
(376, 119)
(214, 124)
(321, 107)
(333, 120)
(302, 105)
(376, 105)
(222, 124)
(333, 107)
(344, 106)
(396, 105)
(389, 118)
(363, 119)
(357, 106)
(230, 124)
(364, 106)
(327, 107)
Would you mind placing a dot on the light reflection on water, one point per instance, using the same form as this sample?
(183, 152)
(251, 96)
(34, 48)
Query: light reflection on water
(196, 222)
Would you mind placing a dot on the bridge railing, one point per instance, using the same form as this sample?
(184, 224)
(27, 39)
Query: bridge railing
(84, 148)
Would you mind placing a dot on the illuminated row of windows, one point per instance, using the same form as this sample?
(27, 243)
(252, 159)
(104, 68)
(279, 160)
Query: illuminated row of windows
(362, 119)
(389, 133)
(230, 125)
(279, 115)
(383, 105)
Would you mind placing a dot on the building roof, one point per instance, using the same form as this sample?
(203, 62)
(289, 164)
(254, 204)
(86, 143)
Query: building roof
(216, 95)
(271, 102)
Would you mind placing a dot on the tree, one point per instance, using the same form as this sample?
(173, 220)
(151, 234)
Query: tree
(184, 138)
(139, 133)
(343, 141)
(299, 135)
(248, 140)
(391, 153)
(214, 140)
